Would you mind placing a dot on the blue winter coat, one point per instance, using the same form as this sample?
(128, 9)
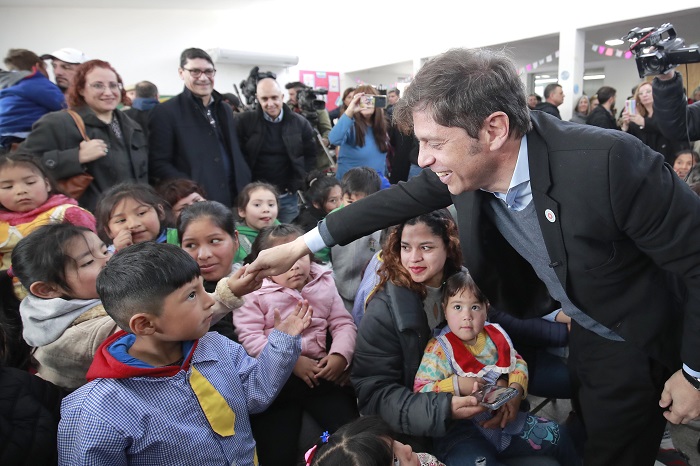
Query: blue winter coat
(24, 101)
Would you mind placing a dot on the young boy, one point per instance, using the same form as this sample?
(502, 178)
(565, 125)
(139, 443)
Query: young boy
(163, 390)
(349, 261)
(467, 350)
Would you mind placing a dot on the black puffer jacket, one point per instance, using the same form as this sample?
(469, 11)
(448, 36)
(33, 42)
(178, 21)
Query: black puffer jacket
(389, 348)
(29, 413)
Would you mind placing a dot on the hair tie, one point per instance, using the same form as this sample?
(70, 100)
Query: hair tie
(311, 452)
(310, 183)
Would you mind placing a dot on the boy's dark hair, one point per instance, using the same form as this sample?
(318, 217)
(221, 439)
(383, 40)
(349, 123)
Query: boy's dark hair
(295, 85)
(33, 163)
(395, 90)
(42, 255)
(267, 235)
(459, 282)
(318, 186)
(191, 54)
(218, 213)
(361, 180)
(140, 277)
(366, 441)
(140, 192)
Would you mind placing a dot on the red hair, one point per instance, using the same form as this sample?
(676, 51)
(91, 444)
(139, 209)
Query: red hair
(74, 98)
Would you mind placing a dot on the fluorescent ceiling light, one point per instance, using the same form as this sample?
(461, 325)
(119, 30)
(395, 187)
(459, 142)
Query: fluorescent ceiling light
(542, 76)
(614, 42)
(593, 76)
(545, 81)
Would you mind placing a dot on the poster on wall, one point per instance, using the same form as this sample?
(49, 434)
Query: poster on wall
(328, 80)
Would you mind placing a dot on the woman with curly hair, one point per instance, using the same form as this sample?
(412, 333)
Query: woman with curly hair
(400, 316)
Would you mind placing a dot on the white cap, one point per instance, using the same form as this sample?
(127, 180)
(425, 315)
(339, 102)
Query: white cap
(67, 55)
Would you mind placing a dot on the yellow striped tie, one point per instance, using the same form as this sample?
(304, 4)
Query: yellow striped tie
(219, 414)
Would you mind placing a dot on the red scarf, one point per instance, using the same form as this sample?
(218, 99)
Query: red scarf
(465, 364)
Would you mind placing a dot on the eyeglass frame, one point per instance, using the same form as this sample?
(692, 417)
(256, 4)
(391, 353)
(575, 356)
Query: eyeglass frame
(101, 87)
(196, 72)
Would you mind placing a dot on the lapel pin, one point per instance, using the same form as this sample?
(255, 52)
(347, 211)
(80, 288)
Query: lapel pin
(550, 215)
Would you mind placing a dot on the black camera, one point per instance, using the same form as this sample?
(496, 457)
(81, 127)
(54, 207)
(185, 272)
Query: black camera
(658, 50)
(308, 100)
(250, 84)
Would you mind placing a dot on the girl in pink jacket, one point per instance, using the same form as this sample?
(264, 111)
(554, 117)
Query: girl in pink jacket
(319, 384)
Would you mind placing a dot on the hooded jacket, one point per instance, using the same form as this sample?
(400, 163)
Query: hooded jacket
(24, 98)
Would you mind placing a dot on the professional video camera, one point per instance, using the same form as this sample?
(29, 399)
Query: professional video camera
(656, 53)
(250, 84)
(309, 103)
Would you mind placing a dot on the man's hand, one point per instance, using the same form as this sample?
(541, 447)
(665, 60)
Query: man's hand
(667, 76)
(240, 285)
(332, 367)
(307, 369)
(277, 260)
(681, 399)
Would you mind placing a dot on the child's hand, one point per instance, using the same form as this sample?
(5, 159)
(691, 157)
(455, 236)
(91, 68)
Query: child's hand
(123, 239)
(512, 406)
(240, 285)
(307, 369)
(467, 383)
(296, 322)
(332, 367)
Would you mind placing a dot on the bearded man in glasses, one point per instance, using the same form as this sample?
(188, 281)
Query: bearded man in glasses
(192, 135)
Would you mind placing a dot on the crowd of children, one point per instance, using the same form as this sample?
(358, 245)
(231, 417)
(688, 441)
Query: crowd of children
(165, 351)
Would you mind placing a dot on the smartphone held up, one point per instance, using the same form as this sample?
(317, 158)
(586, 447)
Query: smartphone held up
(373, 101)
(631, 106)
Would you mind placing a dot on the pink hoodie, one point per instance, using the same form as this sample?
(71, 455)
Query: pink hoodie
(255, 319)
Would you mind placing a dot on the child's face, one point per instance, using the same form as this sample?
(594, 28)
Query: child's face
(298, 275)
(465, 316)
(89, 256)
(423, 254)
(212, 248)
(349, 198)
(683, 164)
(333, 199)
(186, 313)
(141, 220)
(185, 201)
(261, 210)
(22, 189)
(404, 455)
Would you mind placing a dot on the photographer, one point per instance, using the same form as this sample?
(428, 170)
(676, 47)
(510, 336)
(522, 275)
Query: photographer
(676, 119)
(318, 117)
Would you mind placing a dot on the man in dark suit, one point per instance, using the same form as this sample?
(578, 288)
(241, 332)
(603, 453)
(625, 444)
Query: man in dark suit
(193, 134)
(555, 218)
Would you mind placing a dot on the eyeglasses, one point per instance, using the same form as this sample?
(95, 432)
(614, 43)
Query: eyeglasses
(197, 73)
(100, 87)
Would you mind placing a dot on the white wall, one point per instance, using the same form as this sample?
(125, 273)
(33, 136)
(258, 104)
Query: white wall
(146, 43)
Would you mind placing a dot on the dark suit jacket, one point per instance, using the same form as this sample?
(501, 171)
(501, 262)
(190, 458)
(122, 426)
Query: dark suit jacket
(183, 144)
(625, 243)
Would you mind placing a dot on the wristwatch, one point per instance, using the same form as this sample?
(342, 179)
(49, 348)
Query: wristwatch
(694, 381)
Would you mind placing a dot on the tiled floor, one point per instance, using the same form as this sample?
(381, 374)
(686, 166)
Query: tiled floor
(685, 438)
